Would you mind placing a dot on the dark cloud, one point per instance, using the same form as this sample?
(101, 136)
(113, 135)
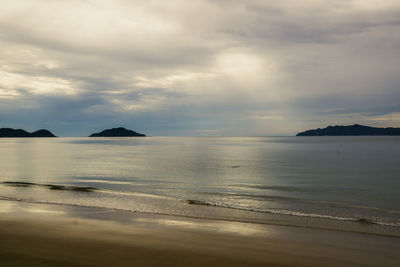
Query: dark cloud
(198, 67)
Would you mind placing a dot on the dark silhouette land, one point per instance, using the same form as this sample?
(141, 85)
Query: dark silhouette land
(9, 132)
(350, 130)
(117, 132)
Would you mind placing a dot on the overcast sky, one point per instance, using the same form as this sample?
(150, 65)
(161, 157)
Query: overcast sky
(214, 67)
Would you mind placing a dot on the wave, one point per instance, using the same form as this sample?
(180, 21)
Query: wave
(361, 220)
(242, 220)
(197, 202)
(335, 204)
(291, 188)
(52, 186)
(100, 181)
(134, 194)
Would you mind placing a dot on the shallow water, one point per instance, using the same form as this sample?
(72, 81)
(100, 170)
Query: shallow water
(235, 178)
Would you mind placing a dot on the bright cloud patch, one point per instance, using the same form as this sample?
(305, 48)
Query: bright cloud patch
(199, 67)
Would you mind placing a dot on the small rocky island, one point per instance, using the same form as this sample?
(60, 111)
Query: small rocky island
(350, 130)
(9, 132)
(117, 132)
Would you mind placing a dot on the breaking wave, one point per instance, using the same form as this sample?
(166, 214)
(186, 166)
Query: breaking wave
(361, 220)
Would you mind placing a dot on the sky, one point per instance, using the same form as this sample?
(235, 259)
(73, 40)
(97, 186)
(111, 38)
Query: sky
(199, 67)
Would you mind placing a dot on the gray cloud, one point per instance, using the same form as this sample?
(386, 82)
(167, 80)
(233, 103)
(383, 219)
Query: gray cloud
(198, 67)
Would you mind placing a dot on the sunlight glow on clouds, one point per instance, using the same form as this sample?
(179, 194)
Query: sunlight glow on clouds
(35, 85)
(199, 67)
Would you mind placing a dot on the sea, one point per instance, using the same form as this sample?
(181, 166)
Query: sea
(347, 183)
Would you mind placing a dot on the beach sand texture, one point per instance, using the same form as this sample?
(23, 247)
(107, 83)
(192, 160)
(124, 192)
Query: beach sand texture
(51, 237)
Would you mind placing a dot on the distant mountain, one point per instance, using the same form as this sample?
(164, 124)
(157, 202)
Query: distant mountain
(43, 133)
(349, 130)
(116, 132)
(9, 132)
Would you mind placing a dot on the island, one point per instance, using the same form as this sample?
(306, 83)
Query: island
(9, 132)
(117, 132)
(350, 130)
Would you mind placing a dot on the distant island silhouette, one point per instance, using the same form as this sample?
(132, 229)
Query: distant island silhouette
(117, 132)
(9, 132)
(350, 130)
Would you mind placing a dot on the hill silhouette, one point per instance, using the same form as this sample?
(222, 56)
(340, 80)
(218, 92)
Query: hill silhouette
(350, 130)
(117, 132)
(9, 132)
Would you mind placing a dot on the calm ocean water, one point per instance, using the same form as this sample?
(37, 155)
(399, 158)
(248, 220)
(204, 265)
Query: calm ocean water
(235, 178)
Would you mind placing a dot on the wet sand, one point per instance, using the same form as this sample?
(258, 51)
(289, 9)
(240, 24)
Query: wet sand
(40, 235)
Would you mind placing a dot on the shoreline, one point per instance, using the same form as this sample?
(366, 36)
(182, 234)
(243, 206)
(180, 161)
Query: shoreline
(360, 227)
(43, 235)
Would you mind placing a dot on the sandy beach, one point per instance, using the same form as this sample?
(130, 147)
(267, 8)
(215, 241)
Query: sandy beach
(49, 235)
